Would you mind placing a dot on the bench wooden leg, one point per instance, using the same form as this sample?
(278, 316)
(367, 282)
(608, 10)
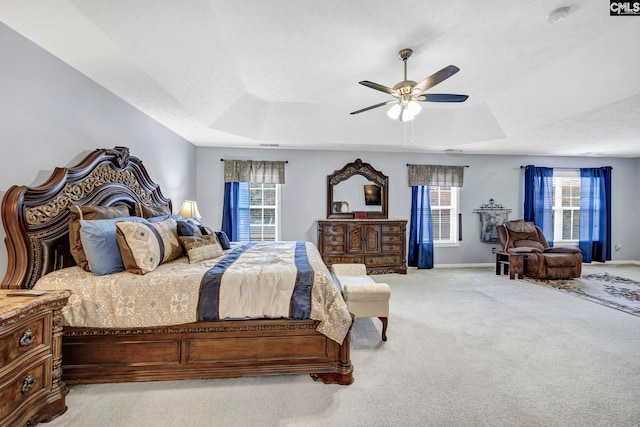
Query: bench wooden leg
(384, 327)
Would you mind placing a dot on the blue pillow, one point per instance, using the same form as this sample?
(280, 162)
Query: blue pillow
(98, 238)
(223, 239)
(163, 217)
(157, 218)
(189, 227)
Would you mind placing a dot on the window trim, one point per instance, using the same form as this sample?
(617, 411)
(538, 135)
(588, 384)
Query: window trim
(558, 177)
(455, 210)
(278, 213)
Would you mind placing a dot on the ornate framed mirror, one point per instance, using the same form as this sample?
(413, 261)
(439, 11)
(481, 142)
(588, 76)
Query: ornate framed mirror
(357, 187)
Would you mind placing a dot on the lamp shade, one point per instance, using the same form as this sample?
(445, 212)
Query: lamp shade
(189, 209)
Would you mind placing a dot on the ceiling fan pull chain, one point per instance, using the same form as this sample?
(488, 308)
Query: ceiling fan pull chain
(405, 134)
(412, 141)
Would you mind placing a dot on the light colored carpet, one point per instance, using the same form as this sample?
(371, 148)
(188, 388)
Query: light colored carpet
(466, 348)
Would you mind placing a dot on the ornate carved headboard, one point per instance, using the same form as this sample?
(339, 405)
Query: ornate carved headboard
(36, 219)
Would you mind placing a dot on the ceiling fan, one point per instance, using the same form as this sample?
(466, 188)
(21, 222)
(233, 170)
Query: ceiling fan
(407, 92)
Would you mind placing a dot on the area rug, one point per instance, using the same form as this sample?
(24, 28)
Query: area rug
(607, 289)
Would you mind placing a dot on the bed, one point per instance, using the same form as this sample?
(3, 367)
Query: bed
(36, 222)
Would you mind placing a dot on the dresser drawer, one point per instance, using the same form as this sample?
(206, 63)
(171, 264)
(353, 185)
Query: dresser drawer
(343, 259)
(383, 260)
(333, 238)
(333, 228)
(392, 228)
(392, 247)
(24, 385)
(392, 238)
(333, 249)
(24, 337)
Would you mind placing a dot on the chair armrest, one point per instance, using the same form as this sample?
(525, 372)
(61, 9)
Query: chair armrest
(563, 250)
(524, 250)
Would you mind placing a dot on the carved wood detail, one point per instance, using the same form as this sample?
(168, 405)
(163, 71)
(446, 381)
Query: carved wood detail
(379, 244)
(369, 172)
(36, 219)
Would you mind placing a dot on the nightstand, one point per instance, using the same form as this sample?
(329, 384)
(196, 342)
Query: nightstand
(31, 387)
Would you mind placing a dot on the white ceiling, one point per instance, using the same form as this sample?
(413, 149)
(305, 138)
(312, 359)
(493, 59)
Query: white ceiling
(258, 73)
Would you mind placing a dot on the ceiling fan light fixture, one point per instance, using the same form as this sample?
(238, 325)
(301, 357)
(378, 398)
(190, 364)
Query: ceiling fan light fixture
(413, 107)
(407, 92)
(404, 111)
(395, 111)
(406, 116)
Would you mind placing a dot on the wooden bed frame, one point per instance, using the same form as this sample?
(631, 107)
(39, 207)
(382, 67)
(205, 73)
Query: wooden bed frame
(36, 224)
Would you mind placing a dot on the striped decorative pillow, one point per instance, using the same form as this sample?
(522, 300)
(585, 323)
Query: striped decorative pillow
(144, 246)
(199, 248)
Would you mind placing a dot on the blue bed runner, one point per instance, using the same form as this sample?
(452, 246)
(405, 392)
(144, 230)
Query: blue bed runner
(300, 306)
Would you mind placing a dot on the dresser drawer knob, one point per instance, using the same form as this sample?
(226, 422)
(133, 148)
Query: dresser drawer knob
(27, 383)
(27, 338)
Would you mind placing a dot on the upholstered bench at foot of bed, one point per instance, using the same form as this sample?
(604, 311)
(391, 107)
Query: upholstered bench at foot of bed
(364, 297)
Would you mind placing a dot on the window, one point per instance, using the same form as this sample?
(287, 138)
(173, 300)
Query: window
(264, 207)
(566, 205)
(444, 215)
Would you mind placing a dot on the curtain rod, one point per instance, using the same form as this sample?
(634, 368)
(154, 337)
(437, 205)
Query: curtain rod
(286, 161)
(565, 168)
(464, 166)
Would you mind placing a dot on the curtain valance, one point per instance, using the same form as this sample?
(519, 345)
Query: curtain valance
(437, 175)
(256, 171)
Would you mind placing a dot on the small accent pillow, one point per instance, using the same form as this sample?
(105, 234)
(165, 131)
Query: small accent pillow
(151, 211)
(189, 227)
(100, 246)
(144, 246)
(200, 248)
(87, 213)
(223, 239)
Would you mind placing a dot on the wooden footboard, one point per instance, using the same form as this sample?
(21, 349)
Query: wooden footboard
(204, 350)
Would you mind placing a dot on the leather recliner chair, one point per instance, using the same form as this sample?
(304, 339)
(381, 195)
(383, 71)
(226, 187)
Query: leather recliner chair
(541, 260)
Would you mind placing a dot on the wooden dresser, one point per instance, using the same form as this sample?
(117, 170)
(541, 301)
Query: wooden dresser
(380, 244)
(31, 389)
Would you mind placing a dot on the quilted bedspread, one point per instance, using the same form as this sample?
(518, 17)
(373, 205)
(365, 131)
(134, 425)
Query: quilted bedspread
(259, 283)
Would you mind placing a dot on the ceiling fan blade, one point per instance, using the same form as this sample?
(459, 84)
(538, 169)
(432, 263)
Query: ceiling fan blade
(442, 97)
(436, 78)
(379, 87)
(375, 106)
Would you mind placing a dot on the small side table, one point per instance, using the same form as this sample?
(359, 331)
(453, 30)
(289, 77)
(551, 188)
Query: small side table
(514, 261)
(31, 387)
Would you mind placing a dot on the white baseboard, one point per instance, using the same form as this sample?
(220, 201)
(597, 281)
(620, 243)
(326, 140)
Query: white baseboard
(480, 264)
(619, 262)
(492, 264)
